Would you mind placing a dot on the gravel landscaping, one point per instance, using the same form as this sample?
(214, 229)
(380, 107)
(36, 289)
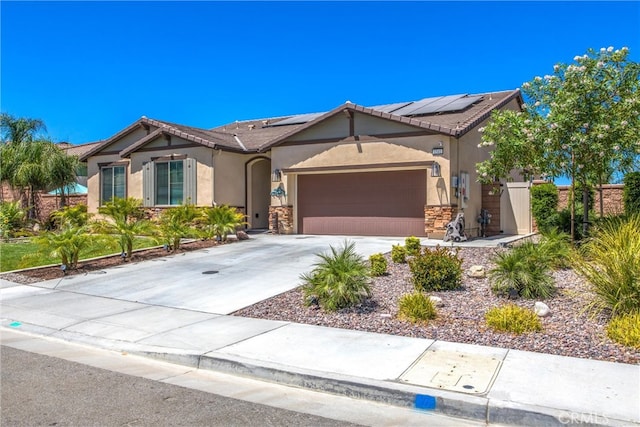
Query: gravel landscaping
(570, 329)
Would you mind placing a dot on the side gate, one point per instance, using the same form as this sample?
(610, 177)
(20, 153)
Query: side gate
(515, 208)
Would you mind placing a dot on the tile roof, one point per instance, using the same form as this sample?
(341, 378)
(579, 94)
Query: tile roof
(262, 134)
(80, 149)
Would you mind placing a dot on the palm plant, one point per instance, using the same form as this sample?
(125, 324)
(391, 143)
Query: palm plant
(522, 270)
(124, 220)
(610, 261)
(220, 221)
(66, 244)
(61, 169)
(340, 279)
(177, 223)
(76, 216)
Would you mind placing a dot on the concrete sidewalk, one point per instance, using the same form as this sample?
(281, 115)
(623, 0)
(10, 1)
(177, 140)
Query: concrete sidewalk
(493, 385)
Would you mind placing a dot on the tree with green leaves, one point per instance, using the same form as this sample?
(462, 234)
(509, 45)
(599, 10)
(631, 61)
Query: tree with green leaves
(582, 121)
(30, 162)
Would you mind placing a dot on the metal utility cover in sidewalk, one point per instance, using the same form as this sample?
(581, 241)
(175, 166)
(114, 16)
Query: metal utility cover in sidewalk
(453, 370)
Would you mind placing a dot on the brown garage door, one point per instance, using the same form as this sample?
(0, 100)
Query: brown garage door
(363, 203)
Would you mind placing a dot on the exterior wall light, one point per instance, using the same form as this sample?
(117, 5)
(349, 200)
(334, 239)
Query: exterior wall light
(276, 175)
(435, 169)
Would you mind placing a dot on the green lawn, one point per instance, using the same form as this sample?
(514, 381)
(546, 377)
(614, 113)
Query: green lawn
(11, 254)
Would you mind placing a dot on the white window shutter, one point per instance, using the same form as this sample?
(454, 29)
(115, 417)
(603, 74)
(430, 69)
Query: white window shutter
(190, 181)
(148, 183)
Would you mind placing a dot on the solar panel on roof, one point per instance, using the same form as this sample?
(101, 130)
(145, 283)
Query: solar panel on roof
(459, 104)
(409, 109)
(436, 105)
(296, 120)
(390, 108)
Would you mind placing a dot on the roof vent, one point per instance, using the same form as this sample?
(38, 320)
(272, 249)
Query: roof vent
(251, 127)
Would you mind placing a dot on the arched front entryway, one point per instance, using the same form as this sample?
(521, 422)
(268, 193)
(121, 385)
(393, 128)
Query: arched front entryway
(258, 192)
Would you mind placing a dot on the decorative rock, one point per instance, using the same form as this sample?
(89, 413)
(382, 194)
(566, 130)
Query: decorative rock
(477, 271)
(541, 309)
(437, 301)
(242, 235)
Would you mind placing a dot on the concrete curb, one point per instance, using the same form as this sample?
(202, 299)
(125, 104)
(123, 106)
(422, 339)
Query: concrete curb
(473, 407)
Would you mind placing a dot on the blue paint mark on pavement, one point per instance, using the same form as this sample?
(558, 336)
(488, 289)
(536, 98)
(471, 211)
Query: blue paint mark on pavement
(15, 324)
(425, 402)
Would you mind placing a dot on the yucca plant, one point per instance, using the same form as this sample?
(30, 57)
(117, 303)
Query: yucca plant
(220, 221)
(340, 279)
(523, 270)
(610, 261)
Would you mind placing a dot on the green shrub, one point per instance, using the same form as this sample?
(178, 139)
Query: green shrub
(523, 269)
(555, 249)
(12, 218)
(544, 206)
(514, 319)
(436, 270)
(378, 265)
(398, 254)
(610, 261)
(416, 307)
(625, 330)
(631, 193)
(75, 216)
(340, 279)
(412, 245)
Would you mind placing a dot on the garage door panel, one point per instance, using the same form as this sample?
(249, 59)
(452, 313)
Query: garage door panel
(364, 226)
(367, 203)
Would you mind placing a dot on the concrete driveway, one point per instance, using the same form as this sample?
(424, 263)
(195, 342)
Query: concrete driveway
(217, 280)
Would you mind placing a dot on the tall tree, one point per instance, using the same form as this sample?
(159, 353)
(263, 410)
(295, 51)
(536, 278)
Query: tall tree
(20, 129)
(31, 163)
(582, 121)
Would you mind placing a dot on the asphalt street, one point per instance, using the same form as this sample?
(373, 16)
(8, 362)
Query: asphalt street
(40, 390)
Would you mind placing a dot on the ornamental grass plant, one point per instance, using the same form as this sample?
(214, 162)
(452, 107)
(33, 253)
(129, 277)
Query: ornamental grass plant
(625, 330)
(610, 262)
(416, 308)
(514, 319)
(340, 279)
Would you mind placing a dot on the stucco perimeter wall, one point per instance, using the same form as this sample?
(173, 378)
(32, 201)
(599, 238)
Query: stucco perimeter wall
(362, 156)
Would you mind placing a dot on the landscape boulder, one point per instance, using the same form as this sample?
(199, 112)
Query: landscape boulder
(541, 309)
(477, 272)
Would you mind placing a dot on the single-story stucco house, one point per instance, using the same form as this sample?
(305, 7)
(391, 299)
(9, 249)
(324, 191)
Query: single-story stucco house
(399, 169)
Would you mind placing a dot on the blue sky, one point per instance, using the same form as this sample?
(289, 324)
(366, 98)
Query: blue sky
(88, 69)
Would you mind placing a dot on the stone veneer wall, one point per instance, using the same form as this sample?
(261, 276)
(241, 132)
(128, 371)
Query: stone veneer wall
(281, 219)
(49, 203)
(436, 219)
(611, 197)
